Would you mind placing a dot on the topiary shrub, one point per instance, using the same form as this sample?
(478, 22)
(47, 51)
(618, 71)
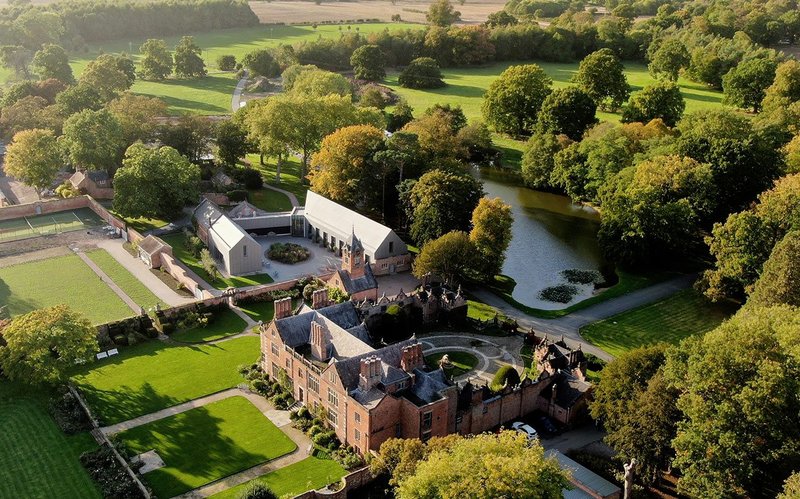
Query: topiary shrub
(562, 293)
(505, 376)
(289, 253)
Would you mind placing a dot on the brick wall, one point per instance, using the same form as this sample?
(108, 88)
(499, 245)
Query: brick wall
(178, 273)
(51, 206)
(354, 480)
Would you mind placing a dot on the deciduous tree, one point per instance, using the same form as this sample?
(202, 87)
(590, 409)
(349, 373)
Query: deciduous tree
(232, 141)
(569, 111)
(450, 256)
(137, 116)
(41, 346)
(319, 83)
(779, 282)
(369, 62)
(93, 140)
(34, 158)
(442, 13)
(51, 61)
(659, 101)
(670, 57)
(491, 235)
(442, 202)
(602, 76)
(538, 159)
(106, 76)
(156, 60)
(155, 182)
(745, 84)
(422, 72)
(512, 102)
(260, 62)
(188, 63)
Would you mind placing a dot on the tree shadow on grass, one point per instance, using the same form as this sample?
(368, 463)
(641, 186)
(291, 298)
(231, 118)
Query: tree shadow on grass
(196, 447)
(115, 406)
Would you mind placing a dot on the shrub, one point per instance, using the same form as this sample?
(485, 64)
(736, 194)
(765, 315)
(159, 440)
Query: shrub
(110, 476)
(250, 178)
(226, 62)
(422, 72)
(505, 376)
(336, 295)
(315, 429)
(238, 195)
(257, 490)
(309, 288)
(68, 414)
(578, 276)
(562, 293)
(283, 400)
(192, 243)
(325, 439)
(288, 253)
(208, 263)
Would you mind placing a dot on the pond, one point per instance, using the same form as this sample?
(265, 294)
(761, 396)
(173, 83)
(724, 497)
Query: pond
(550, 234)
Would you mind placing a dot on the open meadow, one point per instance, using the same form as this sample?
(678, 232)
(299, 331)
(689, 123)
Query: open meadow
(207, 443)
(36, 458)
(152, 376)
(65, 279)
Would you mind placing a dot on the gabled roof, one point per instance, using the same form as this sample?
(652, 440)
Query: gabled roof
(151, 244)
(244, 210)
(320, 210)
(295, 330)
(427, 386)
(209, 216)
(349, 369)
(569, 389)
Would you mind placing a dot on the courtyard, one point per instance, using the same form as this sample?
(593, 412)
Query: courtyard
(321, 260)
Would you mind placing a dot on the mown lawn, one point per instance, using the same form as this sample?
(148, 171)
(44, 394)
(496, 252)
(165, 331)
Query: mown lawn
(290, 175)
(269, 200)
(152, 376)
(462, 362)
(482, 312)
(36, 458)
(143, 224)
(64, 279)
(132, 286)
(262, 311)
(225, 323)
(181, 253)
(207, 443)
(466, 86)
(311, 473)
(681, 315)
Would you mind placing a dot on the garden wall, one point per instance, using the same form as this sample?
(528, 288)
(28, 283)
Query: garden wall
(354, 480)
(44, 207)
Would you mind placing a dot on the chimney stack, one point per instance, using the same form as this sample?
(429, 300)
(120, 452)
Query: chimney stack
(370, 373)
(411, 357)
(319, 341)
(319, 299)
(283, 308)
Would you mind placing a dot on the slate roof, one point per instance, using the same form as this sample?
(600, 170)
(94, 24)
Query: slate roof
(349, 369)
(427, 386)
(569, 389)
(295, 330)
(363, 283)
(245, 209)
(214, 220)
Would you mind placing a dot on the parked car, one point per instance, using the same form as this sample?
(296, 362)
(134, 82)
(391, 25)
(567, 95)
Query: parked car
(526, 429)
(548, 425)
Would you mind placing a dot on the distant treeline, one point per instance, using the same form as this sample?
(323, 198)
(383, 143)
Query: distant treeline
(79, 21)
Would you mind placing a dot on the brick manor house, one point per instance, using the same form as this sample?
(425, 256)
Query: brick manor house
(371, 393)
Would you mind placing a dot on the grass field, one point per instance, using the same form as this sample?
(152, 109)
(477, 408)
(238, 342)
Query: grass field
(290, 175)
(152, 376)
(671, 320)
(64, 221)
(206, 444)
(225, 323)
(122, 277)
(462, 362)
(64, 279)
(269, 200)
(309, 474)
(466, 86)
(181, 253)
(262, 311)
(482, 312)
(37, 459)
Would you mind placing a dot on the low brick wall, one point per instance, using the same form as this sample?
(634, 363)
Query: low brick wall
(44, 207)
(354, 480)
(178, 273)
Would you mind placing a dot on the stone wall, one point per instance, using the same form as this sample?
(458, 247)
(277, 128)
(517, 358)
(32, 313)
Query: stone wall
(354, 480)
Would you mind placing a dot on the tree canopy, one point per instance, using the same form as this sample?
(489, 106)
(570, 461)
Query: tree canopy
(491, 234)
(261, 62)
(659, 101)
(441, 202)
(602, 76)
(450, 256)
(512, 102)
(51, 61)
(188, 63)
(156, 61)
(155, 182)
(41, 346)
(569, 111)
(369, 62)
(422, 72)
(745, 84)
(93, 140)
(442, 13)
(34, 158)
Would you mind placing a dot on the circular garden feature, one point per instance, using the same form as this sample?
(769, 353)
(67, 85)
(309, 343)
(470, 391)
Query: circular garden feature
(458, 362)
(288, 253)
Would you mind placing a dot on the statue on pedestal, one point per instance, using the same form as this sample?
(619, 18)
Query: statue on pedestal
(630, 470)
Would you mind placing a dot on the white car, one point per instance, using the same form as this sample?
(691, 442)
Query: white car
(526, 429)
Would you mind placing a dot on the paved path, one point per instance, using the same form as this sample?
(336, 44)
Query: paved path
(492, 352)
(236, 100)
(291, 196)
(104, 277)
(569, 326)
(139, 269)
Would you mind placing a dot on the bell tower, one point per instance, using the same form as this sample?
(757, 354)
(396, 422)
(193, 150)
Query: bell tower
(353, 257)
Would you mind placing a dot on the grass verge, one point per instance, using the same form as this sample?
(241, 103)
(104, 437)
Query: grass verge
(152, 376)
(462, 362)
(207, 443)
(36, 458)
(225, 323)
(132, 286)
(681, 315)
(503, 287)
(262, 311)
(309, 474)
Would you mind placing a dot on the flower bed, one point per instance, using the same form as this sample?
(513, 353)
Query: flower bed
(288, 253)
